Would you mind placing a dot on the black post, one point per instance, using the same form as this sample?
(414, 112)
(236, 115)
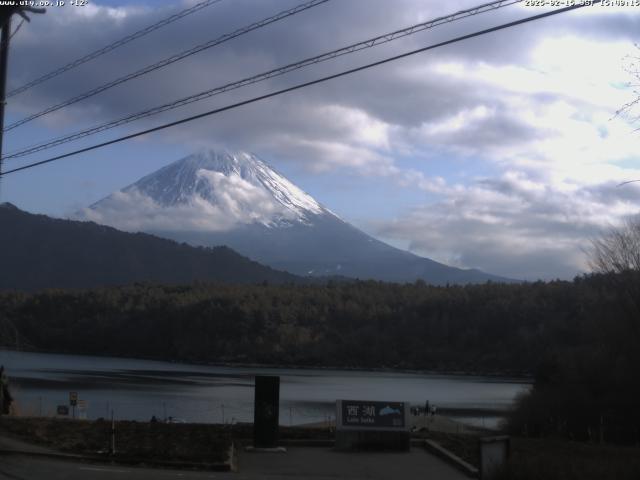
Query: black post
(113, 434)
(4, 60)
(266, 412)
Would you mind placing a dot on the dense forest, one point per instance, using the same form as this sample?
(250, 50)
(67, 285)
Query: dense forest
(579, 339)
(590, 389)
(489, 327)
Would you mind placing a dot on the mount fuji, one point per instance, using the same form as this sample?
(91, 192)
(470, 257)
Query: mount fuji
(234, 198)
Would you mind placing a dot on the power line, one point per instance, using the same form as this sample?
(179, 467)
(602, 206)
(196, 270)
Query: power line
(372, 42)
(168, 61)
(303, 85)
(112, 46)
(14, 32)
(628, 181)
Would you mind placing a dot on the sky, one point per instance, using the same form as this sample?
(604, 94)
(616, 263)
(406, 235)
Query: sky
(503, 152)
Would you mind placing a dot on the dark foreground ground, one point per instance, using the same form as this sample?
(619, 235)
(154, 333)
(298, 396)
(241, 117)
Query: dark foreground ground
(298, 463)
(209, 444)
(192, 443)
(548, 459)
(552, 459)
(183, 442)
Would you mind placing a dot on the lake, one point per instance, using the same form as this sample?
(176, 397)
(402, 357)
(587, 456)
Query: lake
(137, 389)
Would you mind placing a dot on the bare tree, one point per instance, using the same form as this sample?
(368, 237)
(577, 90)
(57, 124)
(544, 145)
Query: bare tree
(630, 109)
(617, 250)
(632, 67)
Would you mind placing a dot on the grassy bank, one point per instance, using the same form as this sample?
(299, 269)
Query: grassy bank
(189, 442)
(153, 441)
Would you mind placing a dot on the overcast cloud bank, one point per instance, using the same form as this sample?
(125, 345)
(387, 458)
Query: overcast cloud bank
(532, 110)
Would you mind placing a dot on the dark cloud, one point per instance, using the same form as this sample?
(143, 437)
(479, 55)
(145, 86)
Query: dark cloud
(401, 94)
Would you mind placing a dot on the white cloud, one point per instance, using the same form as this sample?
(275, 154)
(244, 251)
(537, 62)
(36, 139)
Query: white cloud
(515, 225)
(237, 202)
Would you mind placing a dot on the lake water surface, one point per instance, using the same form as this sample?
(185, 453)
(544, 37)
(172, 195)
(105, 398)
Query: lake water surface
(137, 389)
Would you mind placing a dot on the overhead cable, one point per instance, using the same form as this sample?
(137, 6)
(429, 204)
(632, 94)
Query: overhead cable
(112, 46)
(355, 47)
(303, 85)
(168, 61)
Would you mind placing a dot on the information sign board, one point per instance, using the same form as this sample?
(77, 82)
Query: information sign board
(374, 415)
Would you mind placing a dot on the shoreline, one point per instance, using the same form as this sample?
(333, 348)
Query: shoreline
(506, 376)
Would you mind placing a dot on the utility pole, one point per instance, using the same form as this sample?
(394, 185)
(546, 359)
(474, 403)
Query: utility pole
(4, 60)
(5, 23)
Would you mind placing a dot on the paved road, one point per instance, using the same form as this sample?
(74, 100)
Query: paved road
(298, 463)
(21, 467)
(324, 463)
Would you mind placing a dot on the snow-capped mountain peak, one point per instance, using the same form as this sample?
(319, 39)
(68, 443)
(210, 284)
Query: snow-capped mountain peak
(234, 198)
(209, 190)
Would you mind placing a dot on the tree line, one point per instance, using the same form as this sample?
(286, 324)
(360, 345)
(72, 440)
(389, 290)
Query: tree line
(578, 339)
(486, 328)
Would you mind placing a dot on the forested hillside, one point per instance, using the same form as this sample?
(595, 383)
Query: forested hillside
(38, 252)
(490, 327)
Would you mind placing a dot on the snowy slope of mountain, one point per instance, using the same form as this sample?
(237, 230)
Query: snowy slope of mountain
(199, 175)
(236, 199)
